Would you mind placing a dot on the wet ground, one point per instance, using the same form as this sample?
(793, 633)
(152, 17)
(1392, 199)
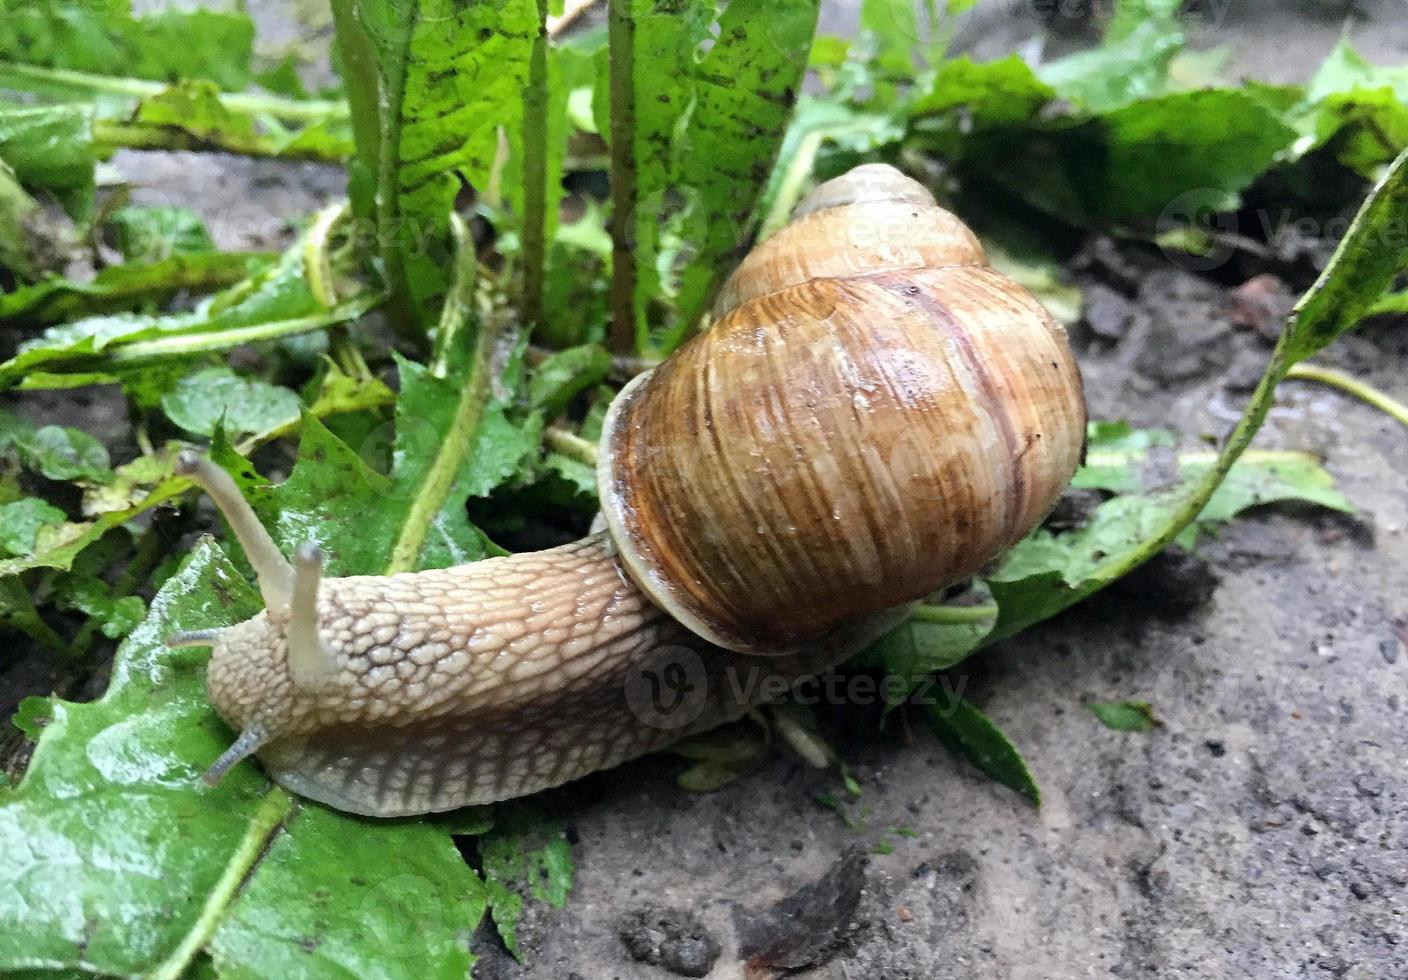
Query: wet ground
(1261, 833)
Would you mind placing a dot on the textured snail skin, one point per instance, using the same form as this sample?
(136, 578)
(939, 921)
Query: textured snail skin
(486, 681)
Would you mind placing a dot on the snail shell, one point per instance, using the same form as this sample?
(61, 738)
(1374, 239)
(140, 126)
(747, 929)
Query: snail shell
(874, 415)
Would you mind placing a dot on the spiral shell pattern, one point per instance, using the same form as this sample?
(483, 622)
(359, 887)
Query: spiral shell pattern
(874, 414)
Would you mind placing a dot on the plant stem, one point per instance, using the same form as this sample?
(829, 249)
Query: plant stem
(789, 192)
(569, 444)
(620, 33)
(271, 815)
(254, 103)
(359, 79)
(535, 164)
(1351, 386)
(401, 310)
(1198, 497)
(458, 440)
(954, 615)
(24, 617)
(196, 343)
(317, 254)
(111, 134)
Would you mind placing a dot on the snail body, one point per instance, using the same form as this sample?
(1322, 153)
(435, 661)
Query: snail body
(873, 415)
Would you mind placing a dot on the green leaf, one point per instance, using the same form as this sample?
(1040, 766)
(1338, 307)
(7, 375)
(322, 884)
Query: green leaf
(195, 107)
(33, 714)
(50, 148)
(54, 451)
(892, 28)
(525, 855)
(147, 481)
(1124, 69)
(451, 436)
(1041, 577)
(103, 37)
(920, 646)
(200, 401)
(824, 136)
(20, 521)
(115, 616)
(1262, 477)
(704, 133)
(744, 90)
(969, 733)
(452, 79)
(1114, 160)
(275, 302)
(1147, 153)
(999, 93)
(720, 756)
(1370, 256)
(1125, 716)
(564, 375)
(1359, 108)
(449, 445)
(127, 286)
(131, 865)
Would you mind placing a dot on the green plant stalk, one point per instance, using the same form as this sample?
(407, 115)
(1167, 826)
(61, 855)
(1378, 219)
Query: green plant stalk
(458, 310)
(400, 310)
(1360, 271)
(25, 618)
(789, 192)
(273, 812)
(1350, 386)
(179, 273)
(954, 615)
(535, 165)
(254, 103)
(111, 134)
(474, 395)
(620, 35)
(198, 343)
(359, 80)
(571, 445)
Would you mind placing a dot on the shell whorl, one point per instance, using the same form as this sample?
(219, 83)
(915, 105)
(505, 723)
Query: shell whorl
(874, 414)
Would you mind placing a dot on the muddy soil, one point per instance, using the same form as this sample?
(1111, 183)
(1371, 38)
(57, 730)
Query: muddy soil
(1262, 832)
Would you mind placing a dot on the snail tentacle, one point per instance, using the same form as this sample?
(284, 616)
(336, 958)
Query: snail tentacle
(271, 568)
(249, 742)
(310, 663)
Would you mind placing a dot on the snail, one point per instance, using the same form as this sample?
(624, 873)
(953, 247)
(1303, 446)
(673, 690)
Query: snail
(873, 415)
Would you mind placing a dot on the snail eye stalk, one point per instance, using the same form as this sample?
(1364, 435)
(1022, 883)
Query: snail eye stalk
(310, 663)
(246, 745)
(271, 568)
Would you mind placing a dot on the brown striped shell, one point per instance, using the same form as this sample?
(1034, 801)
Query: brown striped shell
(874, 414)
